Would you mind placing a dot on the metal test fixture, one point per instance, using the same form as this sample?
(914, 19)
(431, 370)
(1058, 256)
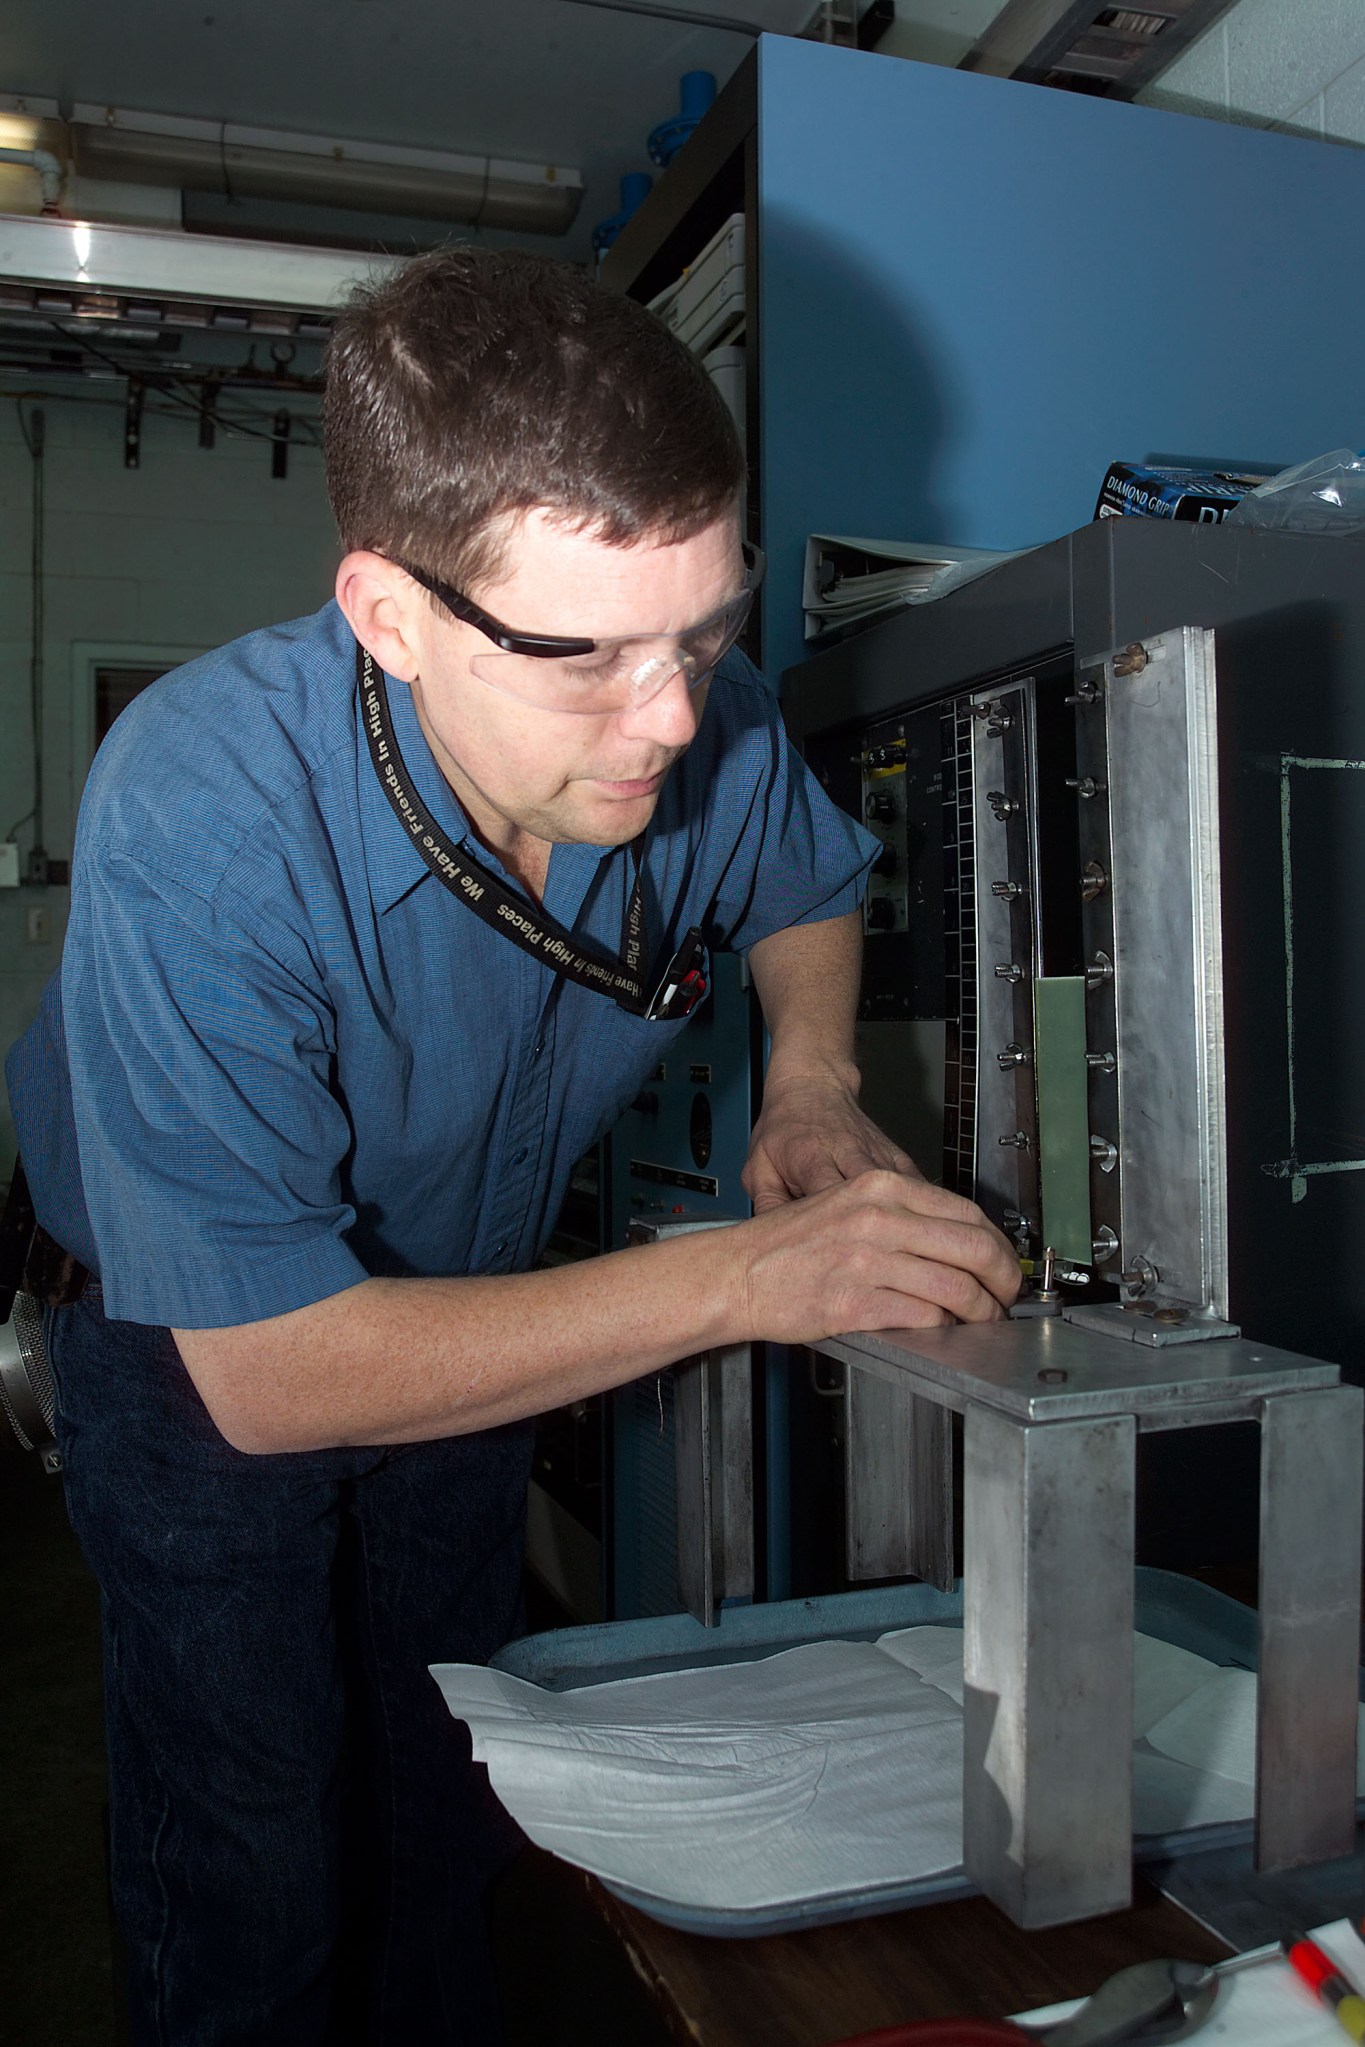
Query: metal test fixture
(1120, 784)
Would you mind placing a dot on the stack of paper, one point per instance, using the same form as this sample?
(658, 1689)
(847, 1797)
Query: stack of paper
(849, 581)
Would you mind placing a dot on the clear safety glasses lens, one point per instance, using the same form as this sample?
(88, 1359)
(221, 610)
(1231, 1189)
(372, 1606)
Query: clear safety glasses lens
(618, 675)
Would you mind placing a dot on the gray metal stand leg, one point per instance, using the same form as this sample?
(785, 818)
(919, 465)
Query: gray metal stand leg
(1310, 1627)
(1048, 1709)
(713, 1441)
(898, 1482)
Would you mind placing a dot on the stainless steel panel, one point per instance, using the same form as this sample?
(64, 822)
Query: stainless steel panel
(1048, 1664)
(1163, 812)
(1311, 1447)
(898, 1483)
(1046, 1370)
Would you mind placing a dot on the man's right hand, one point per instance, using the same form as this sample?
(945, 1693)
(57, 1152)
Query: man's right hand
(883, 1251)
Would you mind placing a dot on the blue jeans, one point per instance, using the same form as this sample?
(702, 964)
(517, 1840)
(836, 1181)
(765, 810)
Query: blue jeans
(299, 1839)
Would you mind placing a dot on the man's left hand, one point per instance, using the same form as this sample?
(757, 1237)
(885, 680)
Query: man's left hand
(811, 1135)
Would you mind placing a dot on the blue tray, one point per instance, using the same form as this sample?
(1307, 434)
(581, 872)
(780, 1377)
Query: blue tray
(1174, 1609)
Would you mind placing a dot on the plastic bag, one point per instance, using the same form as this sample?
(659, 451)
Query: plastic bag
(1324, 495)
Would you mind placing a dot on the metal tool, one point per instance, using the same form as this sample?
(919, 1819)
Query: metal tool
(1145, 2005)
(1150, 2002)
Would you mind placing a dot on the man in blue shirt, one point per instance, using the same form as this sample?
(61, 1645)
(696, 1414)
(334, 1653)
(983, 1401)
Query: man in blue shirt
(379, 919)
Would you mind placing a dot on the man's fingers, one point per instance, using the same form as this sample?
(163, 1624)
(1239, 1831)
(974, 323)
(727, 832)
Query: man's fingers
(911, 1216)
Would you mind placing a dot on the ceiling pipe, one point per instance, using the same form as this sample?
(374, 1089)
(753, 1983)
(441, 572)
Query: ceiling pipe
(50, 169)
(247, 163)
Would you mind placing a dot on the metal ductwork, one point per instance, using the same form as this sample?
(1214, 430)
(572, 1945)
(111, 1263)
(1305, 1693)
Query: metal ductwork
(259, 163)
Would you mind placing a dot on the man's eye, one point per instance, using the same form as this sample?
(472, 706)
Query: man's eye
(602, 662)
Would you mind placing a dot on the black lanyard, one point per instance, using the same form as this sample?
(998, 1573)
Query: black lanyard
(674, 993)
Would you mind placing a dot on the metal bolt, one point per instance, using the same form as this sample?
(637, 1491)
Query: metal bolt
(1132, 660)
(1101, 1062)
(1100, 970)
(1171, 1314)
(1006, 891)
(1104, 1245)
(1020, 1140)
(1085, 785)
(1139, 1277)
(1105, 1154)
(1004, 806)
(1008, 971)
(1094, 881)
(1013, 1055)
(1087, 692)
(997, 718)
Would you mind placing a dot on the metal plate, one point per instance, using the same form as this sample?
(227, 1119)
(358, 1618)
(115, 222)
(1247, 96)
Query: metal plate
(1001, 1364)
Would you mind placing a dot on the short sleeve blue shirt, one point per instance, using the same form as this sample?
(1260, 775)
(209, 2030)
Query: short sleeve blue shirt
(280, 1057)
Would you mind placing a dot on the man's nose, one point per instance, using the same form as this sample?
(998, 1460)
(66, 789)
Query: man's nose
(669, 718)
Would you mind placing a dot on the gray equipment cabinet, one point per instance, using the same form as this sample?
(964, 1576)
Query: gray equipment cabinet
(1110, 982)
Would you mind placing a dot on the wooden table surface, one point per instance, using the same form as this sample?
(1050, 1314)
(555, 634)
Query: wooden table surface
(811, 1988)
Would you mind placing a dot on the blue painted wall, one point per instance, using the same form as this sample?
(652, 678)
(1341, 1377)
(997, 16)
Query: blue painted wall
(975, 294)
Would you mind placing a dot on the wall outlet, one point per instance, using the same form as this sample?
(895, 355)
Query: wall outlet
(38, 924)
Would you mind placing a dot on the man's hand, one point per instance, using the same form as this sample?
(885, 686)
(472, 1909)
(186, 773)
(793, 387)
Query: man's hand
(883, 1251)
(812, 1135)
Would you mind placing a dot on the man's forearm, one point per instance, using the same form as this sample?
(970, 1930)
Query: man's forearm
(807, 979)
(405, 1360)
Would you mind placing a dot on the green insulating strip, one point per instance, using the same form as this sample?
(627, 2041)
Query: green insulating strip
(1063, 1116)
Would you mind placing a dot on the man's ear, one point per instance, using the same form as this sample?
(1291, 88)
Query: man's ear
(380, 603)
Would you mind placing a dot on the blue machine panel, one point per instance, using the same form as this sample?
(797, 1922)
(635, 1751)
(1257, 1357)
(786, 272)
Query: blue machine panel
(976, 294)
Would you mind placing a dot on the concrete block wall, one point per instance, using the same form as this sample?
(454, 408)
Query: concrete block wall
(179, 555)
(1292, 64)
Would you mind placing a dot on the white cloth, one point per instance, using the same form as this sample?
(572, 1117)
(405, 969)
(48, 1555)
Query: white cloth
(827, 1769)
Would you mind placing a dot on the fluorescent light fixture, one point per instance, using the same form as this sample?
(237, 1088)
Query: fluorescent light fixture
(209, 282)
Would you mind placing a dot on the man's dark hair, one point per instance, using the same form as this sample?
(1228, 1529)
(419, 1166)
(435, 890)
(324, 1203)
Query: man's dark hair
(474, 384)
